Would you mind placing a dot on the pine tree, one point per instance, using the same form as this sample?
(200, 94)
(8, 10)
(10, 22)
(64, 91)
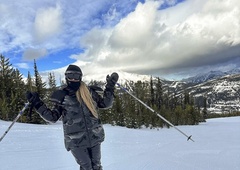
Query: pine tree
(51, 88)
(158, 103)
(18, 92)
(6, 71)
(11, 91)
(152, 101)
(117, 113)
(186, 98)
(52, 81)
(39, 85)
(205, 108)
(38, 82)
(30, 83)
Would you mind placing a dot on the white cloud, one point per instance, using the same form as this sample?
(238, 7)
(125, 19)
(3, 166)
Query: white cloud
(48, 22)
(136, 28)
(15, 28)
(29, 25)
(31, 53)
(170, 40)
(3, 8)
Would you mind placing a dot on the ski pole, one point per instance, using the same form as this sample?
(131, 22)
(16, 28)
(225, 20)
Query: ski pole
(188, 137)
(18, 116)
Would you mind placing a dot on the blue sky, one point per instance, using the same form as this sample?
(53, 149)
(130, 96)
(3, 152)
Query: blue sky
(170, 39)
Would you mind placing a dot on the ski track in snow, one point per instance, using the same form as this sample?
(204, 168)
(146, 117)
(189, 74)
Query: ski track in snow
(41, 147)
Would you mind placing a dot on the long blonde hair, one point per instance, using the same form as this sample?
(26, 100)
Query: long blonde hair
(84, 95)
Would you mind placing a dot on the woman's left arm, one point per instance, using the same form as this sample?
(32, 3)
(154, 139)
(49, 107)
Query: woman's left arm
(106, 100)
(102, 101)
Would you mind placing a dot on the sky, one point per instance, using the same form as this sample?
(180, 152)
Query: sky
(41, 147)
(171, 39)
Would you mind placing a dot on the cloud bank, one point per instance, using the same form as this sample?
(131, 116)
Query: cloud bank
(152, 41)
(143, 37)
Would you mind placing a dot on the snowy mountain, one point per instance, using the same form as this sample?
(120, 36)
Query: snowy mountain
(95, 76)
(222, 94)
(221, 89)
(123, 76)
(200, 78)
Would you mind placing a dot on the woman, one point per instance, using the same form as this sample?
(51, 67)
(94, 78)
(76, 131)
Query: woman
(77, 105)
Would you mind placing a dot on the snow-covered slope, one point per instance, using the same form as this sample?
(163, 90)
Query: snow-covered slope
(222, 94)
(40, 147)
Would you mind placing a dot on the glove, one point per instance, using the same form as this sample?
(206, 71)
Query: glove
(33, 98)
(111, 80)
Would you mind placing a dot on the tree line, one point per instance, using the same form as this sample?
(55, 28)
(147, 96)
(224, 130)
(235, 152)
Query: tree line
(126, 111)
(129, 112)
(13, 88)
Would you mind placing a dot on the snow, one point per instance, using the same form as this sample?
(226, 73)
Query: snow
(40, 147)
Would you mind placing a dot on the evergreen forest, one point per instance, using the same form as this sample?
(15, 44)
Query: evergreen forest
(126, 111)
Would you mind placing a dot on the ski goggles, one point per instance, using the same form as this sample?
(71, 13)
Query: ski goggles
(73, 75)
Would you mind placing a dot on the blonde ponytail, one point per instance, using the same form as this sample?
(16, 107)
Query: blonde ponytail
(84, 95)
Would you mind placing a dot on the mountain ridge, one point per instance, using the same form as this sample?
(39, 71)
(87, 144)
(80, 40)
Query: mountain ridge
(222, 94)
(220, 89)
(203, 77)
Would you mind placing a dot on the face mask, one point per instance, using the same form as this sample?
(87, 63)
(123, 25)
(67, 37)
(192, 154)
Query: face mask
(73, 85)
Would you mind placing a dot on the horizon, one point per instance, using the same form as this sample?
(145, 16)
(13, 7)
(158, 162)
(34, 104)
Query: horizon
(125, 76)
(171, 39)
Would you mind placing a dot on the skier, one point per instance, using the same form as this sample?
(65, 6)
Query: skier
(77, 105)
